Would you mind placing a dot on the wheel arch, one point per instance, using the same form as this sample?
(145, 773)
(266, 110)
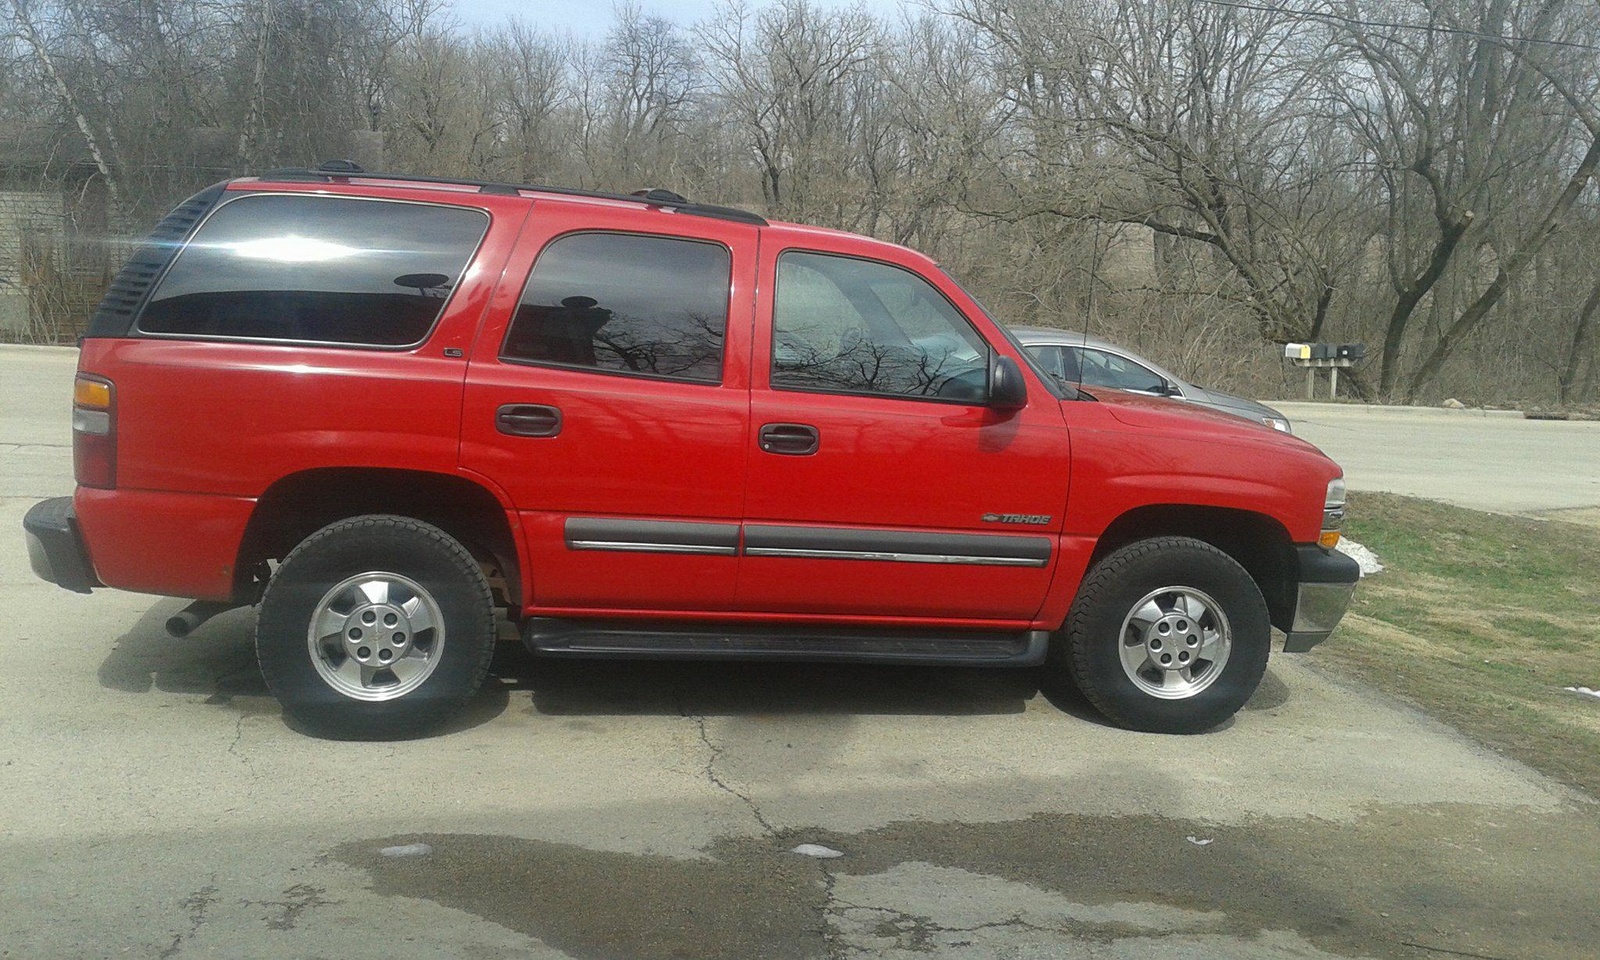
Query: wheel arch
(299, 504)
(1258, 542)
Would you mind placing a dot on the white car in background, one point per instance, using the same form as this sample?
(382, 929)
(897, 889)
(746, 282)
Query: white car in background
(1075, 358)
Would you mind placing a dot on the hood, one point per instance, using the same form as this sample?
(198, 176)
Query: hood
(1228, 401)
(1177, 416)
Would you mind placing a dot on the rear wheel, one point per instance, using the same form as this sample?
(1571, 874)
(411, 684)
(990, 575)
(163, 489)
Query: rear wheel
(1168, 635)
(375, 627)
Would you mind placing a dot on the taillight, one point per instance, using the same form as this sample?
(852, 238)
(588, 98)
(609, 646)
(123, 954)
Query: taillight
(94, 432)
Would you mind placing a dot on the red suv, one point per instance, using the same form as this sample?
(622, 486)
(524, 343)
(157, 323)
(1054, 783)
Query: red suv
(380, 407)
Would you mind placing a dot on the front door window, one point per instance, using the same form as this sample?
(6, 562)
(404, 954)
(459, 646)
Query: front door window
(844, 325)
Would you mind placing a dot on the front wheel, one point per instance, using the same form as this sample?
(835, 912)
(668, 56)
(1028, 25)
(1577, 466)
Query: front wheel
(1168, 635)
(375, 627)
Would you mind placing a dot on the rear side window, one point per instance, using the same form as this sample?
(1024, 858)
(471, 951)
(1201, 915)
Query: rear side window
(626, 303)
(317, 269)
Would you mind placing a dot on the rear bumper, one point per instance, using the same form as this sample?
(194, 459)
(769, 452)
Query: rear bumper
(1327, 580)
(55, 546)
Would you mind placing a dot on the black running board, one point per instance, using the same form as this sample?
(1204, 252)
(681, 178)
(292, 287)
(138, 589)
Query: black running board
(675, 641)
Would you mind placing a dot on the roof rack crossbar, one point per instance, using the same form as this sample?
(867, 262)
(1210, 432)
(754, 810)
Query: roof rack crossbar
(654, 198)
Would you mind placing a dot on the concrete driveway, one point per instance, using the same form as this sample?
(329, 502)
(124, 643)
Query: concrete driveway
(156, 805)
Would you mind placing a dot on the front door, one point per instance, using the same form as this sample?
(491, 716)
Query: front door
(880, 485)
(609, 401)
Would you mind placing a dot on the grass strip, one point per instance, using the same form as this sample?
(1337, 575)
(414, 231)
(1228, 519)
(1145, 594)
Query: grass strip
(1482, 620)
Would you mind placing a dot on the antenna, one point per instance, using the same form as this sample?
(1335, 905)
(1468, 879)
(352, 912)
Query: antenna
(1088, 307)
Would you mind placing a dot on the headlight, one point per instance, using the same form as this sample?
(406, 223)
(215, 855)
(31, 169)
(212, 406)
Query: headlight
(1277, 423)
(1332, 513)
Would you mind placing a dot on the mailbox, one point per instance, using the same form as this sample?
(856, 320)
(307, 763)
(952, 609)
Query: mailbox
(1323, 356)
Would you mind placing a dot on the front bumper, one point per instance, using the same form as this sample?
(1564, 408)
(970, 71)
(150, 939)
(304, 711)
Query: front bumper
(1327, 579)
(55, 547)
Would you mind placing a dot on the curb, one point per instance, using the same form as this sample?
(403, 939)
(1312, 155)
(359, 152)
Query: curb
(29, 349)
(1303, 409)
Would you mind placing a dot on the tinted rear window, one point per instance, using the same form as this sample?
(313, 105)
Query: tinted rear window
(317, 269)
(626, 303)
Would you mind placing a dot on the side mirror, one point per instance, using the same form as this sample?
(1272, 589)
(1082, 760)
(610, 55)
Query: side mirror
(1170, 389)
(1007, 389)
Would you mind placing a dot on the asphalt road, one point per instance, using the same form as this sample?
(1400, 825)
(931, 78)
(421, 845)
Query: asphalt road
(1485, 460)
(154, 804)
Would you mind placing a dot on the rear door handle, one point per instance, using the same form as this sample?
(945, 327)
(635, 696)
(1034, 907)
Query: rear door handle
(528, 420)
(792, 439)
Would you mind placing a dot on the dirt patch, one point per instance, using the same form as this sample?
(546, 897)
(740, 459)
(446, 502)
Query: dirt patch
(1583, 516)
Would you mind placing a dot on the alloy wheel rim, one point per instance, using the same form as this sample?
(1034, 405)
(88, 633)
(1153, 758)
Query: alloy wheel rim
(376, 636)
(1174, 642)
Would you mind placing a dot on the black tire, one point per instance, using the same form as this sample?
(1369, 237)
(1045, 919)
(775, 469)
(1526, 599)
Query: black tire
(1105, 636)
(424, 677)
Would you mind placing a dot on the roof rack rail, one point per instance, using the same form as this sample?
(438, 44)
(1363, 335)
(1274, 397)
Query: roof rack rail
(334, 170)
(658, 195)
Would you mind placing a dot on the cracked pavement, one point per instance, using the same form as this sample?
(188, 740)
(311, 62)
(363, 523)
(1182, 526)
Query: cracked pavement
(157, 805)
(713, 752)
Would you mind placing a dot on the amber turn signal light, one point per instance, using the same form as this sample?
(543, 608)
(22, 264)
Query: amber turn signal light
(1329, 539)
(92, 394)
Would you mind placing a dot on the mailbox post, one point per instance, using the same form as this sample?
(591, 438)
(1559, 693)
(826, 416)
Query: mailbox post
(1331, 357)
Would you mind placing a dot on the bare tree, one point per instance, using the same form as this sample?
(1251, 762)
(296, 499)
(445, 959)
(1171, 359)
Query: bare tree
(26, 21)
(650, 80)
(1475, 151)
(785, 75)
(533, 89)
(1196, 178)
(1196, 121)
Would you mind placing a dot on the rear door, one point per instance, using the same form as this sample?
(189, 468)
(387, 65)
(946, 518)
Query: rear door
(608, 398)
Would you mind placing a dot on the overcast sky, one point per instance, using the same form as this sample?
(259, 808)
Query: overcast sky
(590, 18)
